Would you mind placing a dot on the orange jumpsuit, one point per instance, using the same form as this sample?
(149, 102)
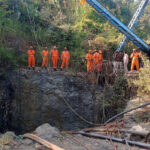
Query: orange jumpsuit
(89, 58)
(100, 59)
(65, 56)
(31, 58)
(55, 56)
(135, 61)
(45, 55)
(96, 60)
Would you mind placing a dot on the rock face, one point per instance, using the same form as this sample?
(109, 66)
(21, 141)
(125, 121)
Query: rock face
(48, 97)
(6, 96)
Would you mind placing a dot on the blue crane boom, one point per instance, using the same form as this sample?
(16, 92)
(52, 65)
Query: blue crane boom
(133, 23)
(119, 25)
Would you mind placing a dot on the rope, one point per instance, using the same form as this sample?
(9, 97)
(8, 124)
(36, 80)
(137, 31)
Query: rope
(77, 114)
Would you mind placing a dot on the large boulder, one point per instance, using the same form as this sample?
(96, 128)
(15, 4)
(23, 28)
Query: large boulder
(47, 132)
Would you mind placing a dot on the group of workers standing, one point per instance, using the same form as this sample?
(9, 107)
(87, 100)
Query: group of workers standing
(65, 57)
(94, 59)
(120, 61)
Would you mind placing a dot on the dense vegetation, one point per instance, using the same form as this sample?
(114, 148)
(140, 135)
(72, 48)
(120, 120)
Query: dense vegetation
(143, 82)
(62, 23)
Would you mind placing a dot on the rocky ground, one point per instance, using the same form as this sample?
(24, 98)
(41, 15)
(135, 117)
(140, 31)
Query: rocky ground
(139, 116)
(9, 141)
(29, 99)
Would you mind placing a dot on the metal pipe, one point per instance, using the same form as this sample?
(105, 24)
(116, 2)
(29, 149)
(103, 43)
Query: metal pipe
(122, 113)
(131, 143)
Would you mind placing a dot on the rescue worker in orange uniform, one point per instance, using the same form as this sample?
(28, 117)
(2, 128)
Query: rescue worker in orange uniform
(31, 57)
(135, 60)
(45, 55)
(95, 60)
(89, 58)
(55, 57)
(65, 57)
(100, 60)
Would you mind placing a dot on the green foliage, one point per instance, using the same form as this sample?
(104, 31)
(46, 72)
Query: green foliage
(10, 59)
(63, 23)
(7, 58)
(143, 82)
(115, 95)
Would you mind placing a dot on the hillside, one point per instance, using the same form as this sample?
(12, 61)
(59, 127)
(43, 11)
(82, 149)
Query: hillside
(75, 106)
(62, 23)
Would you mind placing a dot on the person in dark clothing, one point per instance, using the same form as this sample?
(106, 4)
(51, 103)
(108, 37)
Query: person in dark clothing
(118, 61)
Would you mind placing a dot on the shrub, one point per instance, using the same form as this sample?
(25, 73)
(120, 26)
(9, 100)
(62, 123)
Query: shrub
(115, 95)
(143, 82)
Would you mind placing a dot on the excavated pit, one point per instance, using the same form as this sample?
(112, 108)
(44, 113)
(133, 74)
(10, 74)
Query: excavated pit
(29, 99)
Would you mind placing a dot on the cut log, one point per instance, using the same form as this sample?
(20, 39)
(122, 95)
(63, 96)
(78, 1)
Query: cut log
(87, 129)
(42, 141)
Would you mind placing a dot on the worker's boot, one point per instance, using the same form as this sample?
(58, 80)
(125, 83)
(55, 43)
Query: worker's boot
(33, 68)
(29, 68)
(61, 69)
(45, 67)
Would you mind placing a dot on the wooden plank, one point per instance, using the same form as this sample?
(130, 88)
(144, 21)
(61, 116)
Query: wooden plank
(42, 141)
